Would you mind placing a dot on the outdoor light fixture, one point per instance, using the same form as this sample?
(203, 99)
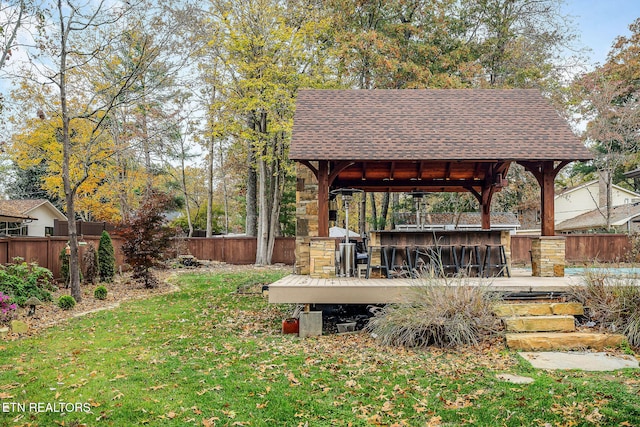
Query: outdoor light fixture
(347, 196)
(420, 204)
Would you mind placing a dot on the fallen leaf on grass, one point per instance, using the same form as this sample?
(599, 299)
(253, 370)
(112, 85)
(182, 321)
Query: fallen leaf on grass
(6, 396)
(230, 414)
(388, 406)
(210, 422)
(157, 387)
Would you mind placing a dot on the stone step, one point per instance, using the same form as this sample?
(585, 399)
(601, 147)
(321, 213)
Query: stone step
(540, 323)
(538, 309)
(563, 341)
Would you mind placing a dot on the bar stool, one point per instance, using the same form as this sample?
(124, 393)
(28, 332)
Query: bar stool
(470, 259)
(383, 265)
(425, 260)
(500, 263)
(400, 263)
(447, 258)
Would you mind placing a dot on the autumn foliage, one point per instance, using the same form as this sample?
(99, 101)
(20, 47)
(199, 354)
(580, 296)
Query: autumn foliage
(146, 237)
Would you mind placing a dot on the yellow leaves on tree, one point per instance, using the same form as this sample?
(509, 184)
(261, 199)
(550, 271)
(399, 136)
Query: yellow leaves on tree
(92, 166)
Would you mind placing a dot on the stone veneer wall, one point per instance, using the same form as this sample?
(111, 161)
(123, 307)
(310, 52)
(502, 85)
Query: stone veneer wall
(306, 217)
(548, 256)
(322, 257)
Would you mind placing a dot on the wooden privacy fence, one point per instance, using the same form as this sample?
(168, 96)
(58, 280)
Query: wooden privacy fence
(579, 248)
(242, 250)
(46, 250)
(233, 250)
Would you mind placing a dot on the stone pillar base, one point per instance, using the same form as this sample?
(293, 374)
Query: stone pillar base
(322, 257)
(301, 265)
(548, 256)
(310, 324)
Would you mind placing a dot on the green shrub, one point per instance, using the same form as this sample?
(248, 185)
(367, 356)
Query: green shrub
(91, 265)
(612, 302)
(21, 280)
(106, 258)
(100, 293)
(449, 315)
(65, 259)
(66, 302)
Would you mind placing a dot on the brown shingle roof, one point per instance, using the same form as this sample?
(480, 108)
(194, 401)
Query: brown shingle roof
(596, 219)
(19, 209)
(430, 124)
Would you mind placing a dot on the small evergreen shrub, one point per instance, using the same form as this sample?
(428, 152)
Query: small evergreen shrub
(106, 258)
(21, 280)
(64, 265)
(91, 265)
(66, 302)
(100, 293)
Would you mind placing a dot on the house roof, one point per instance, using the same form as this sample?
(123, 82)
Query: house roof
(595, 182)
(21, 209)
(431, 124)
(596, 218)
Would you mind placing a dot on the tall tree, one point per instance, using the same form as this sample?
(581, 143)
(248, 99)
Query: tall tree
(84, 35)
(270, 48)
(607, 99)
(519, 43)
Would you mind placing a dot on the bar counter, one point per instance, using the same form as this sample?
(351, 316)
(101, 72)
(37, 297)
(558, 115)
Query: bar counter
(438, 237)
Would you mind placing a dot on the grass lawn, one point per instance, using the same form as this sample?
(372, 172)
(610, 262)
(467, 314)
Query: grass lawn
(210, 356)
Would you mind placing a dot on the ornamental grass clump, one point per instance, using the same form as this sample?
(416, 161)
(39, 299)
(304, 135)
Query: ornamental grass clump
(452, 313)
(611, 302)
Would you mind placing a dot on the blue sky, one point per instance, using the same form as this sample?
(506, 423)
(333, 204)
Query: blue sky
(599, 22)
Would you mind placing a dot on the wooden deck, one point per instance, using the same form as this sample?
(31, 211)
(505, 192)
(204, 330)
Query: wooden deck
(299, 289)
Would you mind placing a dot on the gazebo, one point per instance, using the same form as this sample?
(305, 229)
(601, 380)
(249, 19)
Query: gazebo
(429, 141)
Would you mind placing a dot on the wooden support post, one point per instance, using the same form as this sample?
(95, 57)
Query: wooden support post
(485, 205)
(545, 173)
(547, 202)
(323, 198)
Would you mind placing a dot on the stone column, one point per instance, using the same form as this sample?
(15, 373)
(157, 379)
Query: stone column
(306, 216)
(322, 257)
(505, 240)
(548, 256)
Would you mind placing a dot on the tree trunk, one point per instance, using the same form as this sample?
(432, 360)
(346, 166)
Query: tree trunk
(385, 211)
(210, 187)
(183, 176)
(225, 196)
(374, 211)
(362, 217)
(252, 178)
(74, 259)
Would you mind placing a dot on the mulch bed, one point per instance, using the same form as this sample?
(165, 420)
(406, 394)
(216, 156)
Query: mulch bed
(123, 288)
